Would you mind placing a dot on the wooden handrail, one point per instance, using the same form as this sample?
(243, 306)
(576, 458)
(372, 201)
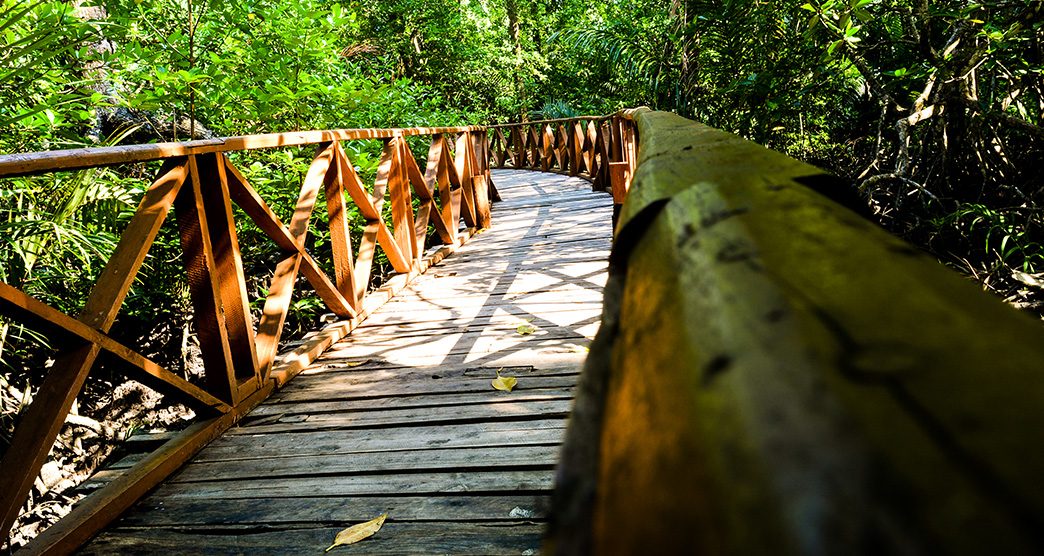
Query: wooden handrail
(776, 375)
(201, 183)
(600, 149)
(12, 165)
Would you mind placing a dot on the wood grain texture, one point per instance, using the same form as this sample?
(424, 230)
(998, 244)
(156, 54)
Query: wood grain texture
(784, 377)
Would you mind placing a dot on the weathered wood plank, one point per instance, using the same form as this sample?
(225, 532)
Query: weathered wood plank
(491, 413)
(511, 457)
(413, 437)
(182, 512)
(472, 481)
(394, 538)
(411, 402)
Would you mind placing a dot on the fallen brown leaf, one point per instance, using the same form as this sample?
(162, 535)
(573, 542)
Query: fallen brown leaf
(358, 532)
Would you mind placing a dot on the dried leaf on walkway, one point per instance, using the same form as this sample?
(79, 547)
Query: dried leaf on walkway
(505, 383)
(358, 532)
(525, 329)
(351, 364)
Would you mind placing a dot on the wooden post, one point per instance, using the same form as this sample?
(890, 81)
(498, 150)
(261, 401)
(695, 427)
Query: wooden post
(776, 375)
(402, 203)
(484, 159)
(340, 240)
(519, 154)
(480, 184)
(450, 193)
(216, 283)
(462, 153)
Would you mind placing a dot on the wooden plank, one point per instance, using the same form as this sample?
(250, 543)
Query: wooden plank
(514, 457)
(416, 401)
(492, 412)
(183, 512)
(323, 389)
(420, 322)
(471, 481)
(420, 437)
(394, 538)
(497, 353)
(379, 372)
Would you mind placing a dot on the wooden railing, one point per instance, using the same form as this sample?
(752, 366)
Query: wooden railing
(600, 149)
(201, 184)
(774, 374)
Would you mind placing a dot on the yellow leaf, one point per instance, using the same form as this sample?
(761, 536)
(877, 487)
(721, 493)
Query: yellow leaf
(351, 364)
(358, 532)
(505, 383)
(525, 329)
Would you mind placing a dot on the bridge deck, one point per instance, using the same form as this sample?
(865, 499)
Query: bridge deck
(400, 416)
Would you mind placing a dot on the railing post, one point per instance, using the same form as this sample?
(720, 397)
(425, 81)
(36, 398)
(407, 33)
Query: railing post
(340, 240)
(519, 153)
(402, 202)
(484, 157)
(480, 180)
(217, 284)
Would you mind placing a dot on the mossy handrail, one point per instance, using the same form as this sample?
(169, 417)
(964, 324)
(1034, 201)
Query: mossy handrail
(775, 374)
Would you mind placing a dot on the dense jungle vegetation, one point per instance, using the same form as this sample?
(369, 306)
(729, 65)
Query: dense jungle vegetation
(932, 110)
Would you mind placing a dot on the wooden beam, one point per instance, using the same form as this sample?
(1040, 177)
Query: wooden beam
(340, 240)
(462, 164)
(776, 374)
(277, 305)
(402, 203)
(228, 269)
(205, 288)
(12, 165)
(16, 303)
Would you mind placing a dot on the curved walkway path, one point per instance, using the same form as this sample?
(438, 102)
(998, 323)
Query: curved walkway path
(400, 417)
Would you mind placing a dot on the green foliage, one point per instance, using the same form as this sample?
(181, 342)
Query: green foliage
(836, 82)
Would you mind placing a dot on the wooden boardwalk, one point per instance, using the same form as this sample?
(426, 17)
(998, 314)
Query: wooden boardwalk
(400, 417)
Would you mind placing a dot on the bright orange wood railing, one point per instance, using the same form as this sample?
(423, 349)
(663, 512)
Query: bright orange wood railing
(600, 149)
(201, 184)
